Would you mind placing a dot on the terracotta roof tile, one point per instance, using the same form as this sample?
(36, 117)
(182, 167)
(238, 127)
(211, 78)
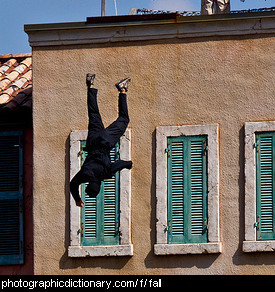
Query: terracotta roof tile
(15, 81)
(22, 99)
(6, 66)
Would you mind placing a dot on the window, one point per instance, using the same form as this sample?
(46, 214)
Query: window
(102, 227)
(11, 198)
(187, 189)
(100, 215)
(265, 185)
(259, 186)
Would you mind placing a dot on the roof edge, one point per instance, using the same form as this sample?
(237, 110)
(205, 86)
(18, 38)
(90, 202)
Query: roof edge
(144, 19)
(9, 56)
(148, 27)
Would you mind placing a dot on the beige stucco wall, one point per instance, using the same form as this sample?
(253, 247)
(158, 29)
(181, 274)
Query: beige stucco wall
(224, 80)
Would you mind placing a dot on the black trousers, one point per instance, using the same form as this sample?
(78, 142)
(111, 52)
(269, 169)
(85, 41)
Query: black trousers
(96, 130)
(100, 138)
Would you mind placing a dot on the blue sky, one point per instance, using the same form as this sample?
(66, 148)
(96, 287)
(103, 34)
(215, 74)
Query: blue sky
(16, 13)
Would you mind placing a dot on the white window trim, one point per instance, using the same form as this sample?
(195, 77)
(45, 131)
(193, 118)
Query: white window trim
(214, 244)
(250, 244)
(125, 248)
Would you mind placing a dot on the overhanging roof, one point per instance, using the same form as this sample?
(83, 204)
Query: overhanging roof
(111, 29)
(15, 83)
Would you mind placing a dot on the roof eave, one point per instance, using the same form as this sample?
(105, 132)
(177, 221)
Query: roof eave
(129, 20)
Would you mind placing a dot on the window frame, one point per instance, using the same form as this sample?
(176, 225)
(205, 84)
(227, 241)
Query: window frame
(250, 243)
(162, 247)
(125, 248)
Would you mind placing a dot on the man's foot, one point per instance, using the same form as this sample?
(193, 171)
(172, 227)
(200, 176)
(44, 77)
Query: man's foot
(90, 79)
(123, 84)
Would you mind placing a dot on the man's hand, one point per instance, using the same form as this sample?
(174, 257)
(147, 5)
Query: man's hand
(80, 203)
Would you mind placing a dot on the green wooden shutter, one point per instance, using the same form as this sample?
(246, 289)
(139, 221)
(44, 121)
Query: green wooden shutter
(11, 198)
(175, 190)
(187, 189)
(265, 143)
(100, 215)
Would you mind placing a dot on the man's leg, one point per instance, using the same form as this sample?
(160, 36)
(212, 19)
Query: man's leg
(95, 121)
(118, 127)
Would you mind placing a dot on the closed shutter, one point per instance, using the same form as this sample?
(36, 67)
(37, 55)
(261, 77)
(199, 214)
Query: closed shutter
(265, 143)
(187, 189)
(11, 198)
(100, 215)
(175, 191)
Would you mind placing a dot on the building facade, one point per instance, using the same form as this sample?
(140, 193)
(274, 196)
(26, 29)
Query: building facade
(201, 104)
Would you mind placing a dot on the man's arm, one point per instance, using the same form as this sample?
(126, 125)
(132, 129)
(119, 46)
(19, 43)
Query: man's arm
(119, 165)
(74, 188)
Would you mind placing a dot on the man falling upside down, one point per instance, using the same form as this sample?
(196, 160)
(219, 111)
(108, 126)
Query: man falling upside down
(97, 165)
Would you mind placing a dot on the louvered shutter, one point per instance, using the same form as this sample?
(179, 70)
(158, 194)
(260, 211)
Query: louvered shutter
(176, 191)
(187, 189)
(265, 143)
(100, 215)
(11, 198)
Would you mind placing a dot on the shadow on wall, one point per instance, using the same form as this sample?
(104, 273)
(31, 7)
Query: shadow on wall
(163, 262)
(172, 261)
(66, 262)
(114, 263)
(241, 258)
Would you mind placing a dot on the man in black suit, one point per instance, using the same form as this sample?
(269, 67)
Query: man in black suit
(97, 165)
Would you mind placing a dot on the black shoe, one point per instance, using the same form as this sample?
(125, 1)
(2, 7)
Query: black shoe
(90, 79)
(123, 84)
